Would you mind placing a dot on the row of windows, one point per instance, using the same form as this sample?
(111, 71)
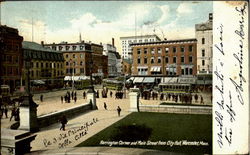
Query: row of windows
(139, 41)
(67, 48)
(74, 63)
(38, 74)
(159, 60)
(10, 71)
(73, 56)
(159, 50)
(10, 59)
(70, 70)
(47, 65)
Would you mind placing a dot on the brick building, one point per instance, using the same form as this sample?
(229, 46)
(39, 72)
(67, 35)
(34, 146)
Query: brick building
(126, 66)
(47, 66)
(78, 58)
(165, 58)
(11, 57)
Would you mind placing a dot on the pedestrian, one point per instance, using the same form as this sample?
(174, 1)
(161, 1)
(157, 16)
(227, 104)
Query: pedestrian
(84, 95)
(41, 98)
(111, 93)
(105, 106)
(17, 117)
(6, 111)
(119, 111)
(202, 102)
(13, 112)
(75, 98)
(72, 95)
(196, 98)
(63, 121)
(61, 99)
(75, 93)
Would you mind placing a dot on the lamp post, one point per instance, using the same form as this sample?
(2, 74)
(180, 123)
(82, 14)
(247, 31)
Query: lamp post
(28, 108)
(91, 95)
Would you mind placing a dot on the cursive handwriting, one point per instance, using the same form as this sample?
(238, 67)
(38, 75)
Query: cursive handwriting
(230, 110)
(228, 138)
(220, 88)
(220, 49)
(63, 139)
(219, 119)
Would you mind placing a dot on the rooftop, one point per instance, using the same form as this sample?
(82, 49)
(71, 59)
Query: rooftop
(127, 37)
(165, 42)
(35, 46)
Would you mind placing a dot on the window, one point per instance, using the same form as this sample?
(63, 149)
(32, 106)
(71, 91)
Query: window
(74, 47)
(159, 60)
(166, 59)
(152, 51)
(203, 40)
(37, 65)
(81, 70)
(81, 55)
(182, 59)
(67, 48)
(41, 65)
(174, 49)
(138, 51)
(145, 60)
(190, 59)
(159, 50)
(152, 60)
(190, 48)
(182, 71)
(146, 40)
(166, 49)
(138, 60)
(182, 49)
(203, 62)
(145, 50)
(203, 52)
(74, 56)
(190, 71)
(140, 41)
(81, 63)
(67, 55)
(174, 59)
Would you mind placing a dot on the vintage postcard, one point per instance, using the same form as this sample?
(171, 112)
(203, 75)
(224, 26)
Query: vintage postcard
(124, 77)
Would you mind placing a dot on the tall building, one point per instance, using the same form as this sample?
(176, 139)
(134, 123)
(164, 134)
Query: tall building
(79, 56)
(114, 59)
(167, 58)
(47, 66)
(11, 57)
(126, 41)
(204, 36)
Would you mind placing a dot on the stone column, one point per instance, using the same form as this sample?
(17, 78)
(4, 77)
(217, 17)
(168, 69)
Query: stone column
(91, 98)
(28, 115)
(134, 99)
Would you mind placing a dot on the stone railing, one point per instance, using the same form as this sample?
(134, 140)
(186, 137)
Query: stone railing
(176, 109)
(48, 119)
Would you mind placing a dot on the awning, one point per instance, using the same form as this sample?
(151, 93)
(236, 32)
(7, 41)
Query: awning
(187, 80)
(149, 80)
(170, 80)
(138, 79)
(76, 78)
(130, 79)
(155, 69)
(38, 82)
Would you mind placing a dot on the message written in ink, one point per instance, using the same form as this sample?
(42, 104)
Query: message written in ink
(64, 139)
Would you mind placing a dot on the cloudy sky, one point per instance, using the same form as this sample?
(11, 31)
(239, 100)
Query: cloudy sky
(99, 21)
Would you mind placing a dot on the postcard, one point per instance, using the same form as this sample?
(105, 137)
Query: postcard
(124, 77)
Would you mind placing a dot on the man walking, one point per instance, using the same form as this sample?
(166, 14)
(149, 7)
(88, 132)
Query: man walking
(119, 111)
(63, 121)
(105, 106)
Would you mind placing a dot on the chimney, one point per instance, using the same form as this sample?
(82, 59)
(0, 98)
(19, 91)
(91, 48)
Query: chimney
(210, 16)
(42, 43)
(113, 42)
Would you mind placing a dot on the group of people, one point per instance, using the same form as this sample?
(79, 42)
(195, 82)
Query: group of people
(69, 96)
(14, 113)
(181, 97)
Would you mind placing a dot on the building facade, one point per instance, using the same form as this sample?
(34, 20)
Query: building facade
(11, 57)
(80, 56)
(204, 36)
(46, 65)
(167, 58)
(126, 67)
(126, 41)
(114, 60)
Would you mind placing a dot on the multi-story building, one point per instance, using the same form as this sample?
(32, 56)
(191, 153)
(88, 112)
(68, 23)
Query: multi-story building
(11, 57)
(126, 41)
(114, 63)
(80, 56)
(46, 65)
(126, 67)
(167, 58)
(204, 36)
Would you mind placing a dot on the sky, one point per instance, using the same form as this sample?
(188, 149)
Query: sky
(100, 21)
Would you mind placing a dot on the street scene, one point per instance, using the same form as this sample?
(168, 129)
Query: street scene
(139, 81)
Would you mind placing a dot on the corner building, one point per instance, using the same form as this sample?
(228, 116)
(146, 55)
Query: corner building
(165, 58)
